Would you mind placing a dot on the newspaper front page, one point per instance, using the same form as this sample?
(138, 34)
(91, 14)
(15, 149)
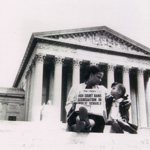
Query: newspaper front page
(93, 100)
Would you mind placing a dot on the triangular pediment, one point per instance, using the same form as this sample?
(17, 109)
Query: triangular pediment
(100, 37)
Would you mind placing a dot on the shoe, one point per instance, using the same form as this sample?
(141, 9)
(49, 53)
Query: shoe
(125, 126)
(116, 127)
(83, 115)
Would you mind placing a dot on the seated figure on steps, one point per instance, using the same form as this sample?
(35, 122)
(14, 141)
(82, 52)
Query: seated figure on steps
(79, 118)
(118, 116)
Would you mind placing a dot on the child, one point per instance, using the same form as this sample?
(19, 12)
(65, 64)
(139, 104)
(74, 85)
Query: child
(118, 117)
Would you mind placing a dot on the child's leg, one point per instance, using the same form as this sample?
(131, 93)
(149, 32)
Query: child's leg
(125, 126)
(116, 127)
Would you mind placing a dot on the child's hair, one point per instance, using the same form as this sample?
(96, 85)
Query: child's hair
(93, 70)
(122, 88)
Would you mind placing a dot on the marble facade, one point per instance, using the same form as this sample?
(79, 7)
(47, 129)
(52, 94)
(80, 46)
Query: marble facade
(54, 61)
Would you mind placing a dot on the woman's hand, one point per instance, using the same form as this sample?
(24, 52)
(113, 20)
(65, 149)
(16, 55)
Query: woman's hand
(126, 104)
(73, 106)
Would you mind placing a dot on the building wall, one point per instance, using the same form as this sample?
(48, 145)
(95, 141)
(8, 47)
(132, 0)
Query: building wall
(86, 57)
(49, 73)
(12, 104)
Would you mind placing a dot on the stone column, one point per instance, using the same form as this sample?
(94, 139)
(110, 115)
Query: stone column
(141, 99)
(58, 85)
(76, 72)
(148, 99)
(32, 68)
(126, 79)
(27, 92)
(37, 89)
(126, 83)
(110, 75)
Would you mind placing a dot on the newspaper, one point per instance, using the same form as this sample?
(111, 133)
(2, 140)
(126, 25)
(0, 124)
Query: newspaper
(93, 100)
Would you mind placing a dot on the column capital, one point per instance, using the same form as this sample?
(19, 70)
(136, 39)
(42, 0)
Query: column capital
(39, 58)
(58, 60)
(126, 69)
(94, 63)
(111, 67)
(140, 71)
(77, 62)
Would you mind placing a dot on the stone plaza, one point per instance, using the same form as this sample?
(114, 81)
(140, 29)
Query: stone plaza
(56, 60)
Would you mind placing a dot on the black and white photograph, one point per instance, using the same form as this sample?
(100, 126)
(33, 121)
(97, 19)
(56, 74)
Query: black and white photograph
(75, 74)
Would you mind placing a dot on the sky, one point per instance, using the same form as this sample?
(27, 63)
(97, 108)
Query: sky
(20, 18)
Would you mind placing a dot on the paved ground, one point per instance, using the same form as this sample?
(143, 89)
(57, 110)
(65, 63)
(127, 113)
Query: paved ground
(43, 136)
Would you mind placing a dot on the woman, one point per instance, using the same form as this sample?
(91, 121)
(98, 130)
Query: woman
(81, 120)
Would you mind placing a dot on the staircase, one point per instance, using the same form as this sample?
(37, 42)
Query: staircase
(48, 136)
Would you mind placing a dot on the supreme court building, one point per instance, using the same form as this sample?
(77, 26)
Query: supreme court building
(54, 61)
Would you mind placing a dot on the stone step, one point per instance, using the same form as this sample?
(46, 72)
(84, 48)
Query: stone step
(42, 136)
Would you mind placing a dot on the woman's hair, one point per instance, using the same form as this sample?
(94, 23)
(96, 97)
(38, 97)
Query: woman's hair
(93, 70)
